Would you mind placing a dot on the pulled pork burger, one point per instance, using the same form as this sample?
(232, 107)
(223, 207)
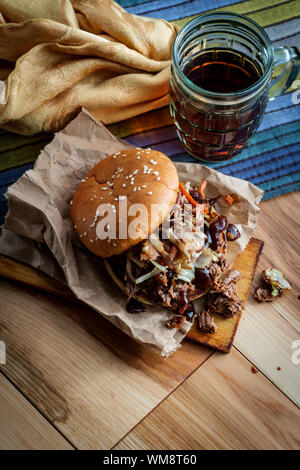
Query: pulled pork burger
(162, 241)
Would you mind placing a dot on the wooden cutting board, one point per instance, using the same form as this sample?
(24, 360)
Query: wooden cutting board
(222, 340)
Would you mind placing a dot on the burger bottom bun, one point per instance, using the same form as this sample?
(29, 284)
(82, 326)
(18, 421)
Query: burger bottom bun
(141, 299)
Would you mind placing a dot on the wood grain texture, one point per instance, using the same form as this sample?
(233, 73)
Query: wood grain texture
(222, 340)
(267, 331)
(95, 384)
(17, 271)
(223, 405)
(22, 427)
(82, 373)
(279, 227)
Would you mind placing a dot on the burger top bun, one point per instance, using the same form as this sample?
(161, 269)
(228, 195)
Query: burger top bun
(137, 176)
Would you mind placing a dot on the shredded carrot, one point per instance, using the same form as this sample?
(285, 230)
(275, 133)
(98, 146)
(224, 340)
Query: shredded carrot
(202, 187)
(190, 199)
(229, 200)
(187, 195)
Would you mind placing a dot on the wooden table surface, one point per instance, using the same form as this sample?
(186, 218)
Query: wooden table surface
(72, 380)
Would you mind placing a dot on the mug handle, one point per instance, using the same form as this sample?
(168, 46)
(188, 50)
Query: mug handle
(289, 56)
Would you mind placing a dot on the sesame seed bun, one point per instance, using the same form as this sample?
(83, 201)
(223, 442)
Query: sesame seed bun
(145, 177)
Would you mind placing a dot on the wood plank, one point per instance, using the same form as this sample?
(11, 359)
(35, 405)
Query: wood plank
(222, 340)
(17, 271)
(267, 330)
(266, 338)
(22, 426)
(223, 405)
(86, 376)
(279, 227)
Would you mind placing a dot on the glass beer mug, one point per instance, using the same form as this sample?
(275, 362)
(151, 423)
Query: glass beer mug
(222, 67)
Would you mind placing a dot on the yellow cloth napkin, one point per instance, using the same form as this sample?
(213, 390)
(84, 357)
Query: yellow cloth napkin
(59, 55)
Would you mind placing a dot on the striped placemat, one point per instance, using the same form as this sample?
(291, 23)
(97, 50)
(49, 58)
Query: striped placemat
(272, 158)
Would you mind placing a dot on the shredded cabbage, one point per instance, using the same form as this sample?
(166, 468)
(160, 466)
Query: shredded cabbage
(205, 258)
(159, 266)
(185, 274)
(147, 276)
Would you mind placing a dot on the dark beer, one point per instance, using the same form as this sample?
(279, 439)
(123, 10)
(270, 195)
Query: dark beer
(215, 134)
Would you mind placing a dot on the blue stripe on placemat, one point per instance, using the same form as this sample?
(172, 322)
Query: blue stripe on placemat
(272, 158)
(292, 178)
(3, 211)
(276, 106)
(8, 177)
(283, 187)
(175, 9)
(282, 30)
(262, 165)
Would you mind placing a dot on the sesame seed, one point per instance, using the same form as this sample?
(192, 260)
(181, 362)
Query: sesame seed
(138, 157)
(104, 188)
(92, 241)
(83, 220)
(80, 235)
(144, 186)
(134, 190)
(114, 244)
(156, 173)
(135, 172)
(158, 178)
(84, 234)
(71, 202)
(149, 192)
(124, 185)
(114, 156)
(110, 193)
(75, 226)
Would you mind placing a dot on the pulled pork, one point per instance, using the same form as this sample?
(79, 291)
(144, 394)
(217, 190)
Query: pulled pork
(272, 285)
(174, 265)
(205, 322)
(223, 297)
